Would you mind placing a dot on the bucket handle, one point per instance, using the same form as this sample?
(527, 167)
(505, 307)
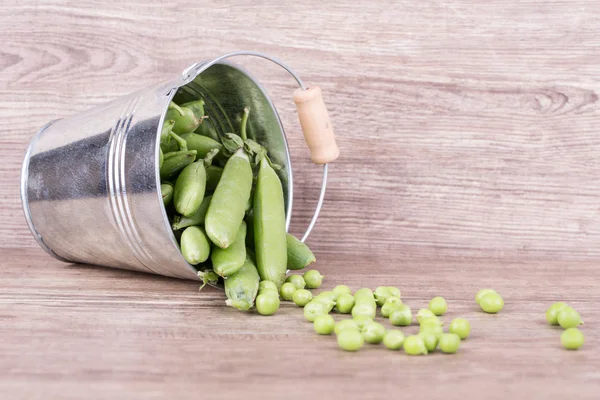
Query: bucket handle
(312, 113)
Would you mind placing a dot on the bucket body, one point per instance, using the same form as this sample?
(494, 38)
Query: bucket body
(90, 184)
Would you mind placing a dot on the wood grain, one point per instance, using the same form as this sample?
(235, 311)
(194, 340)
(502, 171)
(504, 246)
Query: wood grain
(71, 330)
(469, 157)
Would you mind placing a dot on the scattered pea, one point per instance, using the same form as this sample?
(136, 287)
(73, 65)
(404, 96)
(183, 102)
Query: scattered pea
(572, 339)
(388, 308)
(438, 305)
(393, 339)
(324, 324)
(325, 298)
(328, 294)
(267, 303)
(313, 279)
(461, 327)
(449, 343)
(569, 318)
(297, 281)
(424, 313)
(431, 327)
(552, 312)
(345, 324)
(350, 340)
(491, 302)
(402, 316)
(263, 285)
(381, 294)
(414, 346)
(430, 340)
(344, 303)
(287, 291)
(482, 293)
(313, 309)
(363, 309)
(362, 321)
(302, 297)
(341, 289)
(373, 333)
(393, 300)
(394, 291)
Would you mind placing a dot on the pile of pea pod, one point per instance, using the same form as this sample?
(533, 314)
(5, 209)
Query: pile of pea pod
(225, 202)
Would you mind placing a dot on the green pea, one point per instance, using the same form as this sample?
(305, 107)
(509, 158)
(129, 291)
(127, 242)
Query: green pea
(297, 281)
(393, 339)
(196, 219)
(269, 225)
(362, 321)
(326, 299)
(202, 144)
(350, 340)
(433, 328)
(364, 309)
(569, 318)
(324, 324)
(438, 306)
(241, 288)
(194, 245)
(364, 294)
(373, 333)
(213, 176)
(287, 291)
(175, 162)
(423, 314)
(341, 289)
(482, 293)
(414, 346)
(430, 340)
(461, 327)
(346, 324)
(381, 294)
(299, 256)
(313, 309)
(572, 339)
(187, 117)
(227, 207)
(302, 297)
(402, 316)
(265, 285)
(328, 294)
(449, 343)
(228, 261)
(267, 303)
(394, 300)
(552, 312)
(388, 308)
(491, 303)
(313, 279)
(166, 190)
(344, 303)
(431, 320)
(394, 291)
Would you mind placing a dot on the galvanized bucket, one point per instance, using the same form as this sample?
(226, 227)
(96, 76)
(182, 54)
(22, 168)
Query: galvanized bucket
(90, 183)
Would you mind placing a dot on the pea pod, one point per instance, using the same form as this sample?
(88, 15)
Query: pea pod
(187, 117)
(207, 128)
(298, 254)
(213, 176)
(269, 225)
(174, 162)
(195, 247)
(161, 158)
(241, 288)
(196, 219)
(189, 189)
(166, 189)
(228, 261)
(227, 207)
(202, 144)
(165, 130)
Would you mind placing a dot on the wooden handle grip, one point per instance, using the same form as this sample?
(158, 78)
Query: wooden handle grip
(316, 125)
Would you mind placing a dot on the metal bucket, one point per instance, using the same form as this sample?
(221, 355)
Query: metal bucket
(90, 183)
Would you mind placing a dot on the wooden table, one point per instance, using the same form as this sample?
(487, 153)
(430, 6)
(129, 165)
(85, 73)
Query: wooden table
(469, 140)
